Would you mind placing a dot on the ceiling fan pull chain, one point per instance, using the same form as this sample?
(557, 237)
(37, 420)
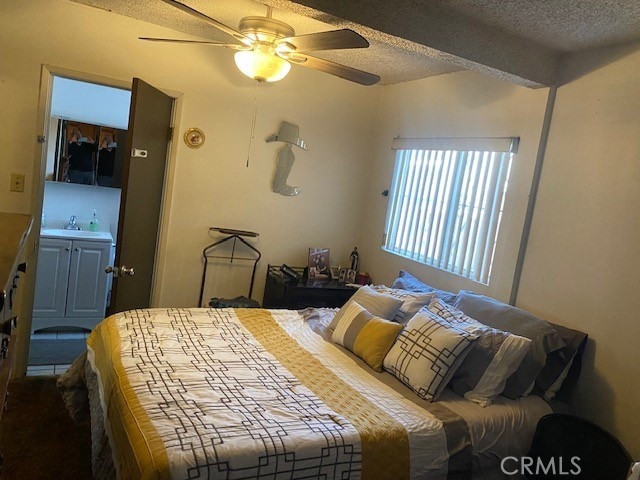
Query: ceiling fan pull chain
(253, 120)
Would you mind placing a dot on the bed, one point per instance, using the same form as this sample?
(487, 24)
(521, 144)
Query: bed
(254, 393)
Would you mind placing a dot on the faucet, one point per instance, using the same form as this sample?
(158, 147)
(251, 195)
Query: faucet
(72, 224)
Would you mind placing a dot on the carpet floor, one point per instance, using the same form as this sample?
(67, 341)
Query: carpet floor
(55, 352)
(38, 439)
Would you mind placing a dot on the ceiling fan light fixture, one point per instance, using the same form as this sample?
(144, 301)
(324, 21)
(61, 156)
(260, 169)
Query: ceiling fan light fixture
(261, 66)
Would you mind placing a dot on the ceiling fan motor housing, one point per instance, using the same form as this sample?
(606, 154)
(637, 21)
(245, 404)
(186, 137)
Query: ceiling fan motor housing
(265, 29)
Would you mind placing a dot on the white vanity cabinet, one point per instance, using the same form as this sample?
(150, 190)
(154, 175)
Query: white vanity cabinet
(71, 283)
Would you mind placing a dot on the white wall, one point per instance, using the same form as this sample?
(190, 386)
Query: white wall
(463, 104)
(61, 200)
(583, 257)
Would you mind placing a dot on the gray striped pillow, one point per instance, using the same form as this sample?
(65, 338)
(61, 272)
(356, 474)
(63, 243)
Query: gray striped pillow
(380, 305)
(411, 301)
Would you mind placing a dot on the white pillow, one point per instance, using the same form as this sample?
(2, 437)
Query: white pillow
(494, 357)
(427, 353)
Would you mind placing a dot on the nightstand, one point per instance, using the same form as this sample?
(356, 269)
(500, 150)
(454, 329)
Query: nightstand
(281, 292)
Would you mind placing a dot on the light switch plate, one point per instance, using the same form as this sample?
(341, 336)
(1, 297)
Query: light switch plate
(17, 182)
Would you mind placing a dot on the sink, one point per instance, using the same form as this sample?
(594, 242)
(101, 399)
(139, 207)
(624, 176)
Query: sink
(75, 234)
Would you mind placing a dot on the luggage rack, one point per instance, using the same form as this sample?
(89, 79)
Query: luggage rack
(233, 236)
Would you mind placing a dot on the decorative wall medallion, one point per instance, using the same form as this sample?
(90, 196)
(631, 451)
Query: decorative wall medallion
(194, 137)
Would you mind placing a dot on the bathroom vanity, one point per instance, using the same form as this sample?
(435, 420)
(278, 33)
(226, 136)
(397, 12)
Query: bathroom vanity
(71, 282)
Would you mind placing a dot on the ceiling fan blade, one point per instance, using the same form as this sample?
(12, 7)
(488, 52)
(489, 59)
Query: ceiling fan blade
(332, 40)
(234, 46)
(342, 71)
(220, 26)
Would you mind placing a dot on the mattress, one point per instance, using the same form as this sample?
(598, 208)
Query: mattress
(253, 393)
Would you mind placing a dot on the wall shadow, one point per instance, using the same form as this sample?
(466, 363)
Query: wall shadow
(576, 65)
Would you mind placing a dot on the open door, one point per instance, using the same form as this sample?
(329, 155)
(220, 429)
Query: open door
(142, 187)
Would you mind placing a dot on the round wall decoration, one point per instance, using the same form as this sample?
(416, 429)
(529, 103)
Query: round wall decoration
(194, 137)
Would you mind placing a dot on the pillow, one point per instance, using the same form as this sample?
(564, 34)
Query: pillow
(496, 314)
(380, 305)
(560, 363)
(367, 336)
(406, 281)
(427, 353)
(494, 357)
(411, 301)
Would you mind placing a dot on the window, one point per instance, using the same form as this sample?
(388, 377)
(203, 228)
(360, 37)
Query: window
(446, 202)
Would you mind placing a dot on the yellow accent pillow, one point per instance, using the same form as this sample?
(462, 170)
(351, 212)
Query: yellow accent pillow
(369, 337)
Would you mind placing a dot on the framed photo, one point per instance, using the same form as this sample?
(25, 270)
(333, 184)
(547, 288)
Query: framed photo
(351, 276)
(335, 272)
(319, 262)
(342, 276)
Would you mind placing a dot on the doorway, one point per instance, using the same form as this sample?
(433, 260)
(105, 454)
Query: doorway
(87, 122)
(71, 322)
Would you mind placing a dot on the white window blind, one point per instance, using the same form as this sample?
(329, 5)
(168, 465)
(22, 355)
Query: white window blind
(446, 202)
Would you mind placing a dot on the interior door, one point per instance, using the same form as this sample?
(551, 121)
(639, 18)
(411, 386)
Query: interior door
(142, 186)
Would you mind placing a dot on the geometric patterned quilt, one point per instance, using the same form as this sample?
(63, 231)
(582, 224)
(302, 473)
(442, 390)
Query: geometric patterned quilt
(250, 393)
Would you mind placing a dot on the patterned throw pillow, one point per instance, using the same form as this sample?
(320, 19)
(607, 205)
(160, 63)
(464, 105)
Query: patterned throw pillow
(367, 336)
(411, 301)
(427, 353)
(380, 305)
(494, 357)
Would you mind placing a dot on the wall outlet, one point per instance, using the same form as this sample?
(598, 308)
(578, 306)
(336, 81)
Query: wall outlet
(17, 182)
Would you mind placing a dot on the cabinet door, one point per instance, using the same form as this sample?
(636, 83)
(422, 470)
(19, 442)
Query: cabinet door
(87, 291)
(51, 278)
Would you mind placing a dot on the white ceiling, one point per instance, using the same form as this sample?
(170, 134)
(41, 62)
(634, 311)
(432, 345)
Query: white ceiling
(520, 41)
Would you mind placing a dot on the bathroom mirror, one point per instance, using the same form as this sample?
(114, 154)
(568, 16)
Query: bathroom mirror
(85, 153)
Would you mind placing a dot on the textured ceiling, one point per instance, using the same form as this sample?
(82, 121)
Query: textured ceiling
(517, 40)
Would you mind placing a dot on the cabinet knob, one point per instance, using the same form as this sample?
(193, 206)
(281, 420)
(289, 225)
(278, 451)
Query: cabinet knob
(77, 249)
(114, 270)
(66, 249)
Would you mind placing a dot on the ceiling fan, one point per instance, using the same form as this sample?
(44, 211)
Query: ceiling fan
(267, 47)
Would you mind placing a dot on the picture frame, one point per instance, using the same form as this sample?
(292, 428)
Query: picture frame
(335, 272)
(342, 276)
(318, 262)
(350, 276)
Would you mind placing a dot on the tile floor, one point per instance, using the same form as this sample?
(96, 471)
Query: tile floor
(33, 370)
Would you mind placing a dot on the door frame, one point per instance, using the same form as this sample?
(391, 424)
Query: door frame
(37, 195)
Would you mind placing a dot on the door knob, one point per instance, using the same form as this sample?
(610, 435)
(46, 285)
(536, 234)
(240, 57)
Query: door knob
(127, 271)
(119, 271)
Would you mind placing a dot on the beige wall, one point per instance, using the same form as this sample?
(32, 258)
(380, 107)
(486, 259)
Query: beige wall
(583, 257)
(583, 254)
(210, 186)
(464, 104)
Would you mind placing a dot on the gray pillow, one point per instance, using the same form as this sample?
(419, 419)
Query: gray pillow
(561, 363)
(406, 281)
(494, 357)
(378, 304)
(497, 314)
